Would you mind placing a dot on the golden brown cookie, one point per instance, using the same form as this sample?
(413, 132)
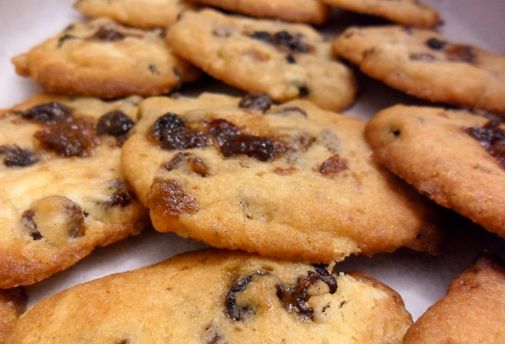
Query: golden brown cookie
(302, 11)
(145, 14)
(405, 12)
(12, 305)
(473, 311)
(286, 61)
(454, 157)
(63, 191)
(427, 65)
(289, 181)
(220, 297)
(103, 59)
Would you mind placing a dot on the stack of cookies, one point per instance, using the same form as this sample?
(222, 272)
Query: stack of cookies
(275, 180)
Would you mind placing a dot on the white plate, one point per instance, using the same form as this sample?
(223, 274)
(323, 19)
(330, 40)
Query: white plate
(419, 278)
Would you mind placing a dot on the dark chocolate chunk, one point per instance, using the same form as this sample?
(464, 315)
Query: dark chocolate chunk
(121, 195)
(16, 156)
(28, 222)
(196, 164)
(114, 123)
(256, 101)
(436, 44)
(106, 34)
(168, 199)
(69, 137)
(492, 138)
(48, 113)
(333, 166)
(235, 311)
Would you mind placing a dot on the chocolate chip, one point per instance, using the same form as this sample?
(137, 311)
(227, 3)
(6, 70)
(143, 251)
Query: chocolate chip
(114, 123)
(235, 311)
(492, 138)
(426, 57)
(69, 137)
(168, 199)
(333, 166)
(256, 101)
(48, 113)
(106, 34)
(196, 164)
(28, 222)
(17, 157)
(435, 43)
(121, 195)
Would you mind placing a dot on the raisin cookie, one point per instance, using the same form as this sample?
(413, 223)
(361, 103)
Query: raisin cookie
(473, 311)
(405, 12)
(290, 181)
(63, 192)
(220, 297)
(12, 305)
(424, 64)
(302, 11)
(145, 14)
(454, 157)
(106, 60)
(286, 61)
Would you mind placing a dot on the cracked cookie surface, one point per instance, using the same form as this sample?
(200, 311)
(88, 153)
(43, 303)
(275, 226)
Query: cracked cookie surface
(220, 297)
(289, 181)
(103, 59)
(287, 61)
(63, 192)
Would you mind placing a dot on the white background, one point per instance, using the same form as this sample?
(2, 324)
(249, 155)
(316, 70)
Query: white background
(419, 278)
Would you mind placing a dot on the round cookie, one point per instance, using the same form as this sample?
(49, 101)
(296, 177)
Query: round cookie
(12, 305)
(63, 192)
(145, 14)
(302, 11)
(102, 59)
(289, 181)
(220, 297)
(425, 64)
(473, 311)
(286, 61)
(454, 157)
(405, 12)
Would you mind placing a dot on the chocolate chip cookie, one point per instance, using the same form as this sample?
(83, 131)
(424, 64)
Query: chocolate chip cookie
(288, 181)
(454, 157)
(220, 297)
(63, 192)
(145, 14)
(405, 12)
(102, 59)
(303, 11)
(286, 61)
(473, 311)
(427, 65)
(12, 305)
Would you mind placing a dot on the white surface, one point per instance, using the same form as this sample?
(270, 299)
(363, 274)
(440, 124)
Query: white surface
(419, 278)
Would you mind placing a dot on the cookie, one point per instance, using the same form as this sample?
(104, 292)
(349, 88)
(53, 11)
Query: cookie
(12, 305)
(289, 181)
(454, 157)
(63, 192)
(102, 59)
(473, 311)
(425, 64)
(145, 14)
(405, 12)
(286, 61)
(302, 11)
(243, 299)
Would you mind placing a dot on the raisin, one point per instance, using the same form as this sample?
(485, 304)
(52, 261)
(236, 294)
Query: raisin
(422, 57)
(436, 44)
(492, 138)
(64, 38)
(154, 70)
(196, 164)
(303, 91)
(262, 36)
(121, 195)
(460, 53)
(105, 34)
(285, 171)
(256, 101)
(212, 335)
(172, 133)
(290, 59)
(17, 156)
(29, 223)
(168, 121)
(222, 130)
(333, 166)
(48, 113)
(283, 39)
(70, 137)
(294, 297)
(114, 123)
(167, 198)
(233, 310)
